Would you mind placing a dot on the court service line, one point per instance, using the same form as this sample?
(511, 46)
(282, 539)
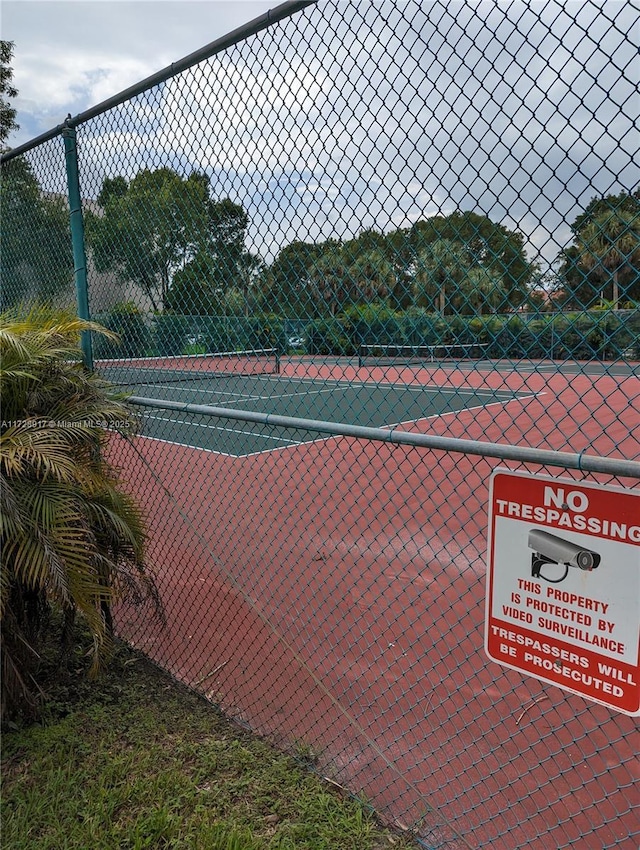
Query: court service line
(418, 390)
(234, 396)
(217, 451)
(293, 443)
(318, 439)
(405, 422)
(211, 428)
(502, 403)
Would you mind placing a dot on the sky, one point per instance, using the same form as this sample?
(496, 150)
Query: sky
(351, 114)
(71, 55)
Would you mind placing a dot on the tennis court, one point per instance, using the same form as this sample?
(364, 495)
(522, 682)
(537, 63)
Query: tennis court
(370, 591)
(254, 381)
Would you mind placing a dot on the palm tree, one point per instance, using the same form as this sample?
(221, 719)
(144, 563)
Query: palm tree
(482, 288)
(372, 276)
(611, 242)
(71, 539)
(439, 270)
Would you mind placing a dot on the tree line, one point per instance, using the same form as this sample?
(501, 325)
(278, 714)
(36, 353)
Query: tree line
(188, 254)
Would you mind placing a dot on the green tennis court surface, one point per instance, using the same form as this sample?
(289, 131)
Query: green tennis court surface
(353, 403)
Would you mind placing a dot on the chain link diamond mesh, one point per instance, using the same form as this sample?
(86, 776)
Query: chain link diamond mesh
(37, 260)
(407, 217)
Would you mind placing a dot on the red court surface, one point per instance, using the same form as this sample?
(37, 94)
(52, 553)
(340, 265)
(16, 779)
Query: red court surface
(331, 595)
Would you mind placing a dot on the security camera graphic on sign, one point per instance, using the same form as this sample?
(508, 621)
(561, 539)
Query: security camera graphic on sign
(551, 549)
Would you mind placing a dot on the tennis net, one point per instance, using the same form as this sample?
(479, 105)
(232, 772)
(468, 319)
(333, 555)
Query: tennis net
(143, 371)
(392, 354)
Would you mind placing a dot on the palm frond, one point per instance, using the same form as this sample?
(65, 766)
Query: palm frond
(70, 537)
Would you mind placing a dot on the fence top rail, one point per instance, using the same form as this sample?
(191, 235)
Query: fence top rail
(272, 16)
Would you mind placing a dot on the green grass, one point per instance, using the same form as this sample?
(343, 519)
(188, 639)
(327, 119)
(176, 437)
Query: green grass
(136, 761)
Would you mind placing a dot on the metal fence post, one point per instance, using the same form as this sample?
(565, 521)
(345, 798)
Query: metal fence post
(77, 238)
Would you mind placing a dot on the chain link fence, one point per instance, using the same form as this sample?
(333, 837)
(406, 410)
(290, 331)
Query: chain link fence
(358, 256)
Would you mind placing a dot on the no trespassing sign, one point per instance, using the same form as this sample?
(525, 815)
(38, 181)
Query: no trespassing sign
(563, 585)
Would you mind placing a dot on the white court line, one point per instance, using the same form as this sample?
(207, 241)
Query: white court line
(212, 428)
(319, 438)
(292, 443)
(235, 396)
(461, 410)
(414, 390)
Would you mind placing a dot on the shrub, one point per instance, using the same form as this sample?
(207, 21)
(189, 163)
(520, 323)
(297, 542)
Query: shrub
(72, 541)
(133, 335)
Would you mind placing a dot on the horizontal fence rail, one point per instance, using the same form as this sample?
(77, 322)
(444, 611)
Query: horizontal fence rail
(366, 263)
(581, 462)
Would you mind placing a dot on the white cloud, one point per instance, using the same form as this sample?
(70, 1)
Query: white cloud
(521, 111)
(242, 117)
(51, 83)
(71, 54)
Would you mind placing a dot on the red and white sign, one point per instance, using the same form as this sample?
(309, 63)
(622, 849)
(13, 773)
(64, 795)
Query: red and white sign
(563, 585)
